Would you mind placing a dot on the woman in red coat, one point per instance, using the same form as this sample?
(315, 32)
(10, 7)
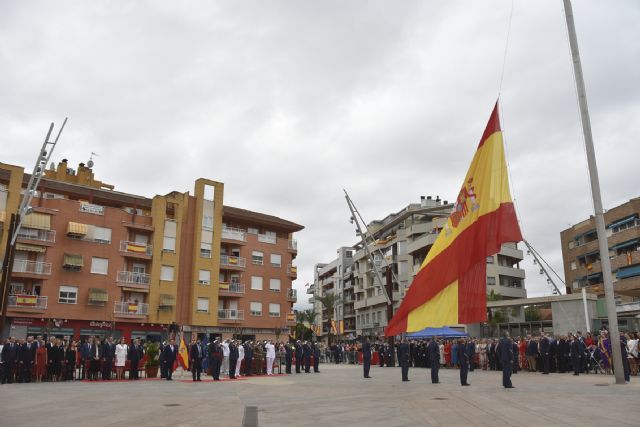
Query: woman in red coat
(447, 354)
(522, 348)
(41, 361)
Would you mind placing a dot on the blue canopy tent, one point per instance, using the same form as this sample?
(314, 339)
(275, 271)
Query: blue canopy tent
(444, 332)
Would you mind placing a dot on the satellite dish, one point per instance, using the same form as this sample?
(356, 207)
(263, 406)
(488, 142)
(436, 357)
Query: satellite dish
(90, 163)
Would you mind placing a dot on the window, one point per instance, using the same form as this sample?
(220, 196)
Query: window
(572, 244)
(252, 230)
(257, 258)
(349, 254)
(276, 260)
(166, 273)
(490, 260)
(256, 309)
(203, 305)
(99, 265)
(256, 283)
(204, 277)
(573, 265)
(169, 239)
(274, 285)
(205, 250)
(274, 310)
(68, 295)
(207, 222)
(98, 234)
(491, 281)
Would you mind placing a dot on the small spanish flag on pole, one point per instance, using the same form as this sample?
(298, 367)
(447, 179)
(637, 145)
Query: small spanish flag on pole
(183, 354)
(450, 287)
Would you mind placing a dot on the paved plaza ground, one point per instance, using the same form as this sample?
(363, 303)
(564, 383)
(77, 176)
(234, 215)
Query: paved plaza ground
(338, 396)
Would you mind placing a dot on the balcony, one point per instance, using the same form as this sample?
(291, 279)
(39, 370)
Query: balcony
(266, 238)
(292, 271)
(136, 250)
(230, 316)
(37, 236)
(133, 280)
(292, 295)
(131, 309)
(293, 245)
(232, 262)
(230, 289)
(349, 313)
(311, 290)
(291, 319)
(24, 268)
(235, 234)
(27, 303)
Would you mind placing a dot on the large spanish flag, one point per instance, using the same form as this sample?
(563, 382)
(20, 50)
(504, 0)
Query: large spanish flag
(183, 354)
(450, 287)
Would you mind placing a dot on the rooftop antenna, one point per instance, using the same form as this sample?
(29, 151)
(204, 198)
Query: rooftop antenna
(90, 163)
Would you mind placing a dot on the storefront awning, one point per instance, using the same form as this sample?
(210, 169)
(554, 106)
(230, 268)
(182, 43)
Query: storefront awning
(73, 260)
(167, 300)
(98, 295)
(29, 248)
(77, 229)
(37, 220)
(631, 271)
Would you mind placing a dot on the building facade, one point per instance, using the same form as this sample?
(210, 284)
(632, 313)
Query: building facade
(93, 261)
(400, 241)
(581, 256)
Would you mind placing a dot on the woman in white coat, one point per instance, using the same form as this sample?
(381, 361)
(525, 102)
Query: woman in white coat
(240, 358)
(121, 358)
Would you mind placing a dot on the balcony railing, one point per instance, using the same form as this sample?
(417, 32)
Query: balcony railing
(32, 267)
(266, 238)
(292, 295)
(37, 234)
(27, 301)
(293, 245)
(292, 270)
(234, 234)
(136, 248)
(131, 277)
(131, 308)
(232, 261)
(228, 314)
(233, 288)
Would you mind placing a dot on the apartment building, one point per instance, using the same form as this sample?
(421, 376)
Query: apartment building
(93, 261)
(402, 241)
(581, 256)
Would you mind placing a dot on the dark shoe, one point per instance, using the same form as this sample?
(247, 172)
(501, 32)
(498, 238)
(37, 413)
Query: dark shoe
(406, 380)
(510, 386)
(466, 384)
(368, 377)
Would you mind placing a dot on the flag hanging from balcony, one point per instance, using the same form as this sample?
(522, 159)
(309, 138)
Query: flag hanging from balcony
(450, 287)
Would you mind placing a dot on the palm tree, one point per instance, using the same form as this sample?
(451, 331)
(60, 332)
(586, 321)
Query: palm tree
(329, 302)
(302, 317)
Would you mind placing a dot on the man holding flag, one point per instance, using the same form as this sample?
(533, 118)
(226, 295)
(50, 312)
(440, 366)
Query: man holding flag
(450, 287)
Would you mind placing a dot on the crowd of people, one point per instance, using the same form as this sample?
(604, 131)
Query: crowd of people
(39, 359)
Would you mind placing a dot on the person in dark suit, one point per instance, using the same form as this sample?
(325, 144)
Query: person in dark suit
(404, 358)
(315, 350)
(366, 357)
(85, 357)
(233, 359)
(505, 353)
(215, 359)
(544, 348)
(493, 356)
(306, 356)
(135, 355)
(248, 358)
(196, 353)
(464, 350)
(575, 353)
(95, 356)
(433, 352)
(288, 357)
(170, 355)
(298, 356)
(27, 358)
(163, 367)
(108, 354)
(471, 353)
(9, 357)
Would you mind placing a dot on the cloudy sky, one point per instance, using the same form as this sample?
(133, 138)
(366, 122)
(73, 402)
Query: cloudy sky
(289, 102)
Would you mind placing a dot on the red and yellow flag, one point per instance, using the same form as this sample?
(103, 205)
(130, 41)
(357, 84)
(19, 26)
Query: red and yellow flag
(183, 354)
(450, 287)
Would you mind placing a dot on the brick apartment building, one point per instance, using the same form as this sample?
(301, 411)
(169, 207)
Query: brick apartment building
(581, 256)
(94, 261)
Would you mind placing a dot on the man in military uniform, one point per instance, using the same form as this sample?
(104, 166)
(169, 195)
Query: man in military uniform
(505, 353)
(215, 359)
(433, 353)
(316, 357)
(288, 357)
(233, 359)
(463, 350)
(404, 358)
(298, 356)
(248, 358)
(366, 357)
(306, 356)
(258, 355)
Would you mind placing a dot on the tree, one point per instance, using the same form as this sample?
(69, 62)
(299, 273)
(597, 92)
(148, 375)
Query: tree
(302, 317)
(531, 314)
(329, 302)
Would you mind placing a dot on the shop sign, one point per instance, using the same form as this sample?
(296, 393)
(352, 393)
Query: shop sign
(100, 324)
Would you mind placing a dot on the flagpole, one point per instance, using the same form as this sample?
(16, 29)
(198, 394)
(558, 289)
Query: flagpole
(605, 262)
